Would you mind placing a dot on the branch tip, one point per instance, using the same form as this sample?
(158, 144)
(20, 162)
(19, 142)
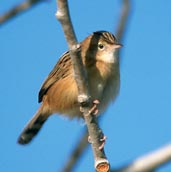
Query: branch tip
(102, 165)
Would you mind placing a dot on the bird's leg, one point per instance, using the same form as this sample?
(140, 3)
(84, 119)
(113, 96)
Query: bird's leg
(94, 110)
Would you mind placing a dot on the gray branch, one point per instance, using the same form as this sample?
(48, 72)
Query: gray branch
(17, 10)
(95, 133)
(82, 143)
(149, 162)
(122, 24)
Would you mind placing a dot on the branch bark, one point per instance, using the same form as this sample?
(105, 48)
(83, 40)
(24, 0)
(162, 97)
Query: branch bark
(17, 10)
(122, 24)
(149, 162)
(82, 143)
(95, 133)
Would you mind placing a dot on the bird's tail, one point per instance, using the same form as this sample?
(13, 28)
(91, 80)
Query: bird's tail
(33, 126)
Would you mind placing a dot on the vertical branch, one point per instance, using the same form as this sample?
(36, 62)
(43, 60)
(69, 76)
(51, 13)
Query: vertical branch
(80, 76)
(79, 149)
(95, 133)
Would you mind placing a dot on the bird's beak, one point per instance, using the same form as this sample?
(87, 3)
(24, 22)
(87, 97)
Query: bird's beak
(117, 45)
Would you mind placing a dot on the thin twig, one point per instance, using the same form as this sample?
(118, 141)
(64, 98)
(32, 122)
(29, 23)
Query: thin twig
(149, 162)
(18, 10)
(122, 24)
(95, 133)
(77, 152)
(121, 29)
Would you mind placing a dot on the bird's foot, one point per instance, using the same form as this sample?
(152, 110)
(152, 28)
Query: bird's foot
(94, 110)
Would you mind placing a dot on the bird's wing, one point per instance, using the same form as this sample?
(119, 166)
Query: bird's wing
(61, 70)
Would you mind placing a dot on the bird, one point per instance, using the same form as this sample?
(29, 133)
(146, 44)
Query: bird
(58, 94)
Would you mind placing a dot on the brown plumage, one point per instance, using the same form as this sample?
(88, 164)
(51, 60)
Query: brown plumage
(58, 93)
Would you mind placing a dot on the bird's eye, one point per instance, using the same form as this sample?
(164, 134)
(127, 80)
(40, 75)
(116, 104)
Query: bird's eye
(100, 46)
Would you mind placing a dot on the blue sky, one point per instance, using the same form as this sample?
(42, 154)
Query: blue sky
(138, 122)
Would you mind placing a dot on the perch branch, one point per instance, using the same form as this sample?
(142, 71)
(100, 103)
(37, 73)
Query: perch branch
(121, 29)
(149, 162)
(17, 10)
(95, 133)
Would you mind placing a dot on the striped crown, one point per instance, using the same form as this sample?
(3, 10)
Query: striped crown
(107, 36)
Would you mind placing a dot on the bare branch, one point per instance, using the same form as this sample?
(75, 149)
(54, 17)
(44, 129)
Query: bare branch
(125, 13)
(80, 75)
(149, 162)
(17, 10)
(76, 153)
(95, 133)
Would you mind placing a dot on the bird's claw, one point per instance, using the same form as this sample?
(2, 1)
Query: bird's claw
(94, 110)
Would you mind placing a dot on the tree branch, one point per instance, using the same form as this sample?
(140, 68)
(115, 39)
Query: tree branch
(95, 133)
(149, 162)
(17, 10)
(82, 143)
(76, 153)
(122, 24)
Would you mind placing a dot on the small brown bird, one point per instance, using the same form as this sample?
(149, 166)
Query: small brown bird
(58, 93)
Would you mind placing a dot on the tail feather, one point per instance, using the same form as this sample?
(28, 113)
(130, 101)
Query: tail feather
(32, 128)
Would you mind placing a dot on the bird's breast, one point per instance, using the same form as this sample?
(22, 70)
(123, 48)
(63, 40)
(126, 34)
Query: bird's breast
(104, 83)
